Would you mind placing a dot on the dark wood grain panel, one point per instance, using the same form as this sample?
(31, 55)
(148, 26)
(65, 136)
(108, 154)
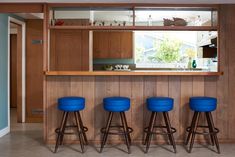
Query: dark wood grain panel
(13, 74)
(34, 70)
(112, 44)
(69, 50)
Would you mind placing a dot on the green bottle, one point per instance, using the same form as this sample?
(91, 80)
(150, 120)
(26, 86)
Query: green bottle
(194, 64)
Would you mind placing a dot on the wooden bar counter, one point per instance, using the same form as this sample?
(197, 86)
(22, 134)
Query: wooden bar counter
(94, 88)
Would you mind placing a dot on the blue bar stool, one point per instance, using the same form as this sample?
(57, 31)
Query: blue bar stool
(116, 105)
(156, 105)
(199, 105)
(68, 105)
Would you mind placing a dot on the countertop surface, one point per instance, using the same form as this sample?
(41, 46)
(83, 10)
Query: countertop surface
(134, 72)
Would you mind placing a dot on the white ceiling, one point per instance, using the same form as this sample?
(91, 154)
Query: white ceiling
(129, 1)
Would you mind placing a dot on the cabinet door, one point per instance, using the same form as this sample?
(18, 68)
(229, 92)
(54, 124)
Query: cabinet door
(112, 44)
(100, 44)
(126, 45)
(69, 50)
(115, 44)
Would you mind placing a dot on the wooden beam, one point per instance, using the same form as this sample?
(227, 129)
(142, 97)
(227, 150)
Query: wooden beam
(21, 7)
(45, 67)
(131, 5)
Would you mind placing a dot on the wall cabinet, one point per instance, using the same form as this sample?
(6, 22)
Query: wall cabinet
(69, 50)
(112, 44)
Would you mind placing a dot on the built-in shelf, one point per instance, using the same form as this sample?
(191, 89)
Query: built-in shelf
(183, 28)
(132, 73)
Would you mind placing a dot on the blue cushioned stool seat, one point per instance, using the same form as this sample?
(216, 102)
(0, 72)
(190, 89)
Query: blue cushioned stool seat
(203, 104)
(71, 104)
(116, 104)
(160, 104)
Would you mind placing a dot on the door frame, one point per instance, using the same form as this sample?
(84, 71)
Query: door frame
(23, 57)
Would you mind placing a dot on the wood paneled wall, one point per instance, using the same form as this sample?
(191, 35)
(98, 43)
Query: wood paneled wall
(138, 88)
(34, 70)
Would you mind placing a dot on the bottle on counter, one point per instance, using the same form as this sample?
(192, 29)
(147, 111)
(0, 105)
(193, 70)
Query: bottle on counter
(194, 64)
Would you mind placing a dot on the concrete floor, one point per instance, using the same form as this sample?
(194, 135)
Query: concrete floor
(25, 140)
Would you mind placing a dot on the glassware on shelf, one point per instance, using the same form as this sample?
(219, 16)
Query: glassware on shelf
(198, 21)
(150, 21)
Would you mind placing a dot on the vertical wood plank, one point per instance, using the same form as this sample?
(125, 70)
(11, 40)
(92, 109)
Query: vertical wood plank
(88, 86)
(125, 90)
(174, 92)
(59, 88)
(198, 86)
(100, 114)
(137, 107)
(149, 91)
(222, 116)
(162, 91)
(162, 86)
(112, 89)
(198, 90)
(185, 113)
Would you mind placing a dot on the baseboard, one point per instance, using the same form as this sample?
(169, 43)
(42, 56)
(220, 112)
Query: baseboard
(4, 131)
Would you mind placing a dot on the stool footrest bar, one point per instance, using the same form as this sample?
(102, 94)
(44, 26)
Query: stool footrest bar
(216, 130)
(173, 130)
(114, 131)
(85, 129)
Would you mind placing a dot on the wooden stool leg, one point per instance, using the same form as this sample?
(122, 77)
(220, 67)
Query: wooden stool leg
(79, 131)
(210, 128)
(193, 129)
(215, 135)
(129, 136)
(150, 130)
(125, 129)
(106, 131)
(147, 135)
(62, 125)
(190, 131)
(82, 128)
(168, 125)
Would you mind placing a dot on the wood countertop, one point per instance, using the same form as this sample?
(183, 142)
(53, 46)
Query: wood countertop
(133, 73)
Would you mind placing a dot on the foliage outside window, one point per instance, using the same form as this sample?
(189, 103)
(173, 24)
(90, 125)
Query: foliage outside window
(168, 49)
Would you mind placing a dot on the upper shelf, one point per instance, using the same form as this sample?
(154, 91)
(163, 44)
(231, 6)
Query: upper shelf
(183, 28)
(134, 18)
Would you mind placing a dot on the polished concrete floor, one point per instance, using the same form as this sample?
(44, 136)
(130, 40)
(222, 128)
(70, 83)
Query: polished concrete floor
(25, 140)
